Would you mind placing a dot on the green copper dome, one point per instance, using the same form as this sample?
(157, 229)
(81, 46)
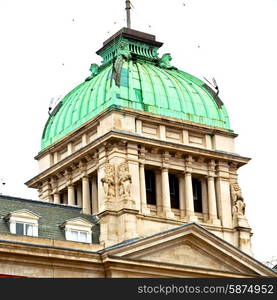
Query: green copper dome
(133, 76)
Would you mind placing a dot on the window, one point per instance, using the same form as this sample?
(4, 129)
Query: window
(78, 230)
(79, 236)
(197, 195)
(150, 185)
(24, 229)
(23, 222)
(174, 191)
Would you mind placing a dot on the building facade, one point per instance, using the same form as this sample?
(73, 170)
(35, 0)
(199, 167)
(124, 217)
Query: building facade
(137, 178)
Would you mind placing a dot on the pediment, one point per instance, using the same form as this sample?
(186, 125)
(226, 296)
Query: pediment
(22, 213)
(78, 222)
(187, 254)
(191, 246)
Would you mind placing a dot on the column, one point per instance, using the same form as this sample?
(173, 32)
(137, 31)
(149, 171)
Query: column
(182, 195)
(71, 195)
(213, 219)
(143, 199)
(86, 196)
(79, 195)
(57, 198)
(166, 194)
(158, 184)
(94, 195)
(204, 199)
(189, 198)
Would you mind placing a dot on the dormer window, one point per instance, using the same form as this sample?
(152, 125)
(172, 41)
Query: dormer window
(78, 230)
(24, 229)
(23, 222)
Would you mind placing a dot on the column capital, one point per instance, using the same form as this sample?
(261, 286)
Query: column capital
(188, 170)
(164, 167)
(70, 183)
(83, 168)
(141, 162)
(68, 176)
(73, 167)
(55, 191)
(88, 157)
(46, 184)
(166, 158)
(59, 175)
(67, 173)
(54, 182)
(211, 165)
(233, 165)
(188, 159)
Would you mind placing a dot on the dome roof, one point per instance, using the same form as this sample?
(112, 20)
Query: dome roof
(133, 76)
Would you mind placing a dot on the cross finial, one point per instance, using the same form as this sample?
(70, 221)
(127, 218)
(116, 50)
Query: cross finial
(128, 12)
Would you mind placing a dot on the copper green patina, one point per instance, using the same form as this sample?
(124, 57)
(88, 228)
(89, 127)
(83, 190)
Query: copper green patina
(133, 76)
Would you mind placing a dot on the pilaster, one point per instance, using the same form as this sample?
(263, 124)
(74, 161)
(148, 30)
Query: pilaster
(223, 194)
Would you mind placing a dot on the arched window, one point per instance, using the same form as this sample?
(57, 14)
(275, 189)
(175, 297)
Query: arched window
(197, 195)
(150, 185)
(174, 191)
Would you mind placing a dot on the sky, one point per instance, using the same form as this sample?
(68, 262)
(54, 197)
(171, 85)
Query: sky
(47, 46)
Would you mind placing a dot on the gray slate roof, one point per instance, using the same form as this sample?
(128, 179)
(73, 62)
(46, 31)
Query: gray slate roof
(51, 216)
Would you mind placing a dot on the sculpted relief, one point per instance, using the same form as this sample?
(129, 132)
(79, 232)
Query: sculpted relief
(124, 180)
(108, 181)
(237, 200)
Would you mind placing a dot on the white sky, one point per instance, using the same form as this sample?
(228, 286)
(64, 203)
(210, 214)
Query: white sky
(47, 46)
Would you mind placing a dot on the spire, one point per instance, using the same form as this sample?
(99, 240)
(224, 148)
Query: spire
(128, 12)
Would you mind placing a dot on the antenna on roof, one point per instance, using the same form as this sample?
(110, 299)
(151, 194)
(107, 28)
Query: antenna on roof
(214, 84)
(128, 12)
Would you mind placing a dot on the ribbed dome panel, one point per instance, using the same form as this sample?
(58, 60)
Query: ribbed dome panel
(143, 86)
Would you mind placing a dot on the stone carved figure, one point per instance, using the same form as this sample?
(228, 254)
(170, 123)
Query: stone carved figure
(124, 180)
(237, 200)
(123, 49)
(123, 53)
(165, 61)
(108, 181)
(94, 69)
